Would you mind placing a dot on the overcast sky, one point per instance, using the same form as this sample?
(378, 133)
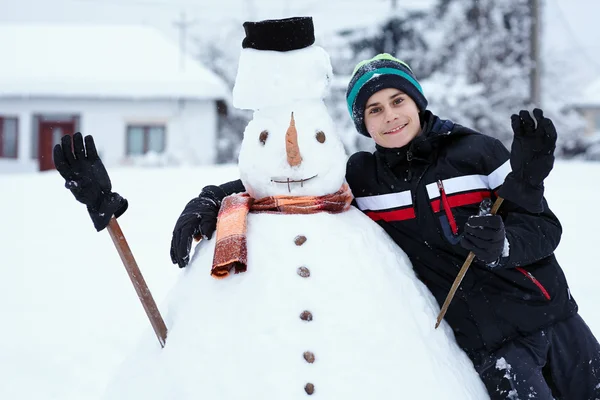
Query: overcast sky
(571, 27)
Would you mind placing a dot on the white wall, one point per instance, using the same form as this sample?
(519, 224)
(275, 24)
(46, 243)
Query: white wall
(592, 116)
(191, 127)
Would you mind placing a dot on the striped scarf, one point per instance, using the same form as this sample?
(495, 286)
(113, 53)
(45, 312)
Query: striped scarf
(231, 252)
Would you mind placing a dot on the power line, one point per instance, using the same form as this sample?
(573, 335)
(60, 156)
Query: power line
(152, 3)
(132, 3)
(218, 7)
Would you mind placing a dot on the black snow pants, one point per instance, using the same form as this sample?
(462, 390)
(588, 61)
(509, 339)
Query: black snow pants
(559, 362)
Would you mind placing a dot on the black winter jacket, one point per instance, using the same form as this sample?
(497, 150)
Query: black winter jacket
(422, 195)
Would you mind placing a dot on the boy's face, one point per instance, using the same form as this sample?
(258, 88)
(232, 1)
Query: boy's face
(392, 118)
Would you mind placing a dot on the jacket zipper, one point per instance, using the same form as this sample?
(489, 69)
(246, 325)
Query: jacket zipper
(409, 159)
(537, 283)
(415, 189)
(446, 207)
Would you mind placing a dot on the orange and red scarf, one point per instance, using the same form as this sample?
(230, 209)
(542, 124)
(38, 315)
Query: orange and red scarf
(231, 252)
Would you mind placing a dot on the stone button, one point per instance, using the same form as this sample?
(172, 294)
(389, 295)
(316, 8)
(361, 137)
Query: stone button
(309, 356)
(300, 240)
(309, 388)
(303, 272)
(306, 316)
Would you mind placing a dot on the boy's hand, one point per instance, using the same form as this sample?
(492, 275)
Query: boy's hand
(484, 236)
(86, 177)
(532, 151)
(198, 220)
(531, 159)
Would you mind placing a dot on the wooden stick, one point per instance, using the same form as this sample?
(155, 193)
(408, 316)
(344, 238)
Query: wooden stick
(158, 324)
(462, 272)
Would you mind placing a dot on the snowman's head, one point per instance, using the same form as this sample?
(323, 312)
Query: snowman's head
(292, 150)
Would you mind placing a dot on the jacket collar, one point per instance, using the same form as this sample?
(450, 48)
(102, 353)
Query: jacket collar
(434, 131)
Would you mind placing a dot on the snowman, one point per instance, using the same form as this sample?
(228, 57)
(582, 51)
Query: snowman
(300, 294)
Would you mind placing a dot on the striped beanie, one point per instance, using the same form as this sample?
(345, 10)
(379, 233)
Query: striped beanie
(380, 72)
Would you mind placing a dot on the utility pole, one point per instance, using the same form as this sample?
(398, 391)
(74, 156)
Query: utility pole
(182, 25)
(536, 59)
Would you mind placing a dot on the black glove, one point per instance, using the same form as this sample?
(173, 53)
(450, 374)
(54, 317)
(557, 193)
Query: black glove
(86, 177)
(531, 160)
(484, 235)
(199, 219)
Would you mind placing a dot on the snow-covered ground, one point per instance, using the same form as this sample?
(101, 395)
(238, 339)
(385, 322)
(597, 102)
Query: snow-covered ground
(69, 312)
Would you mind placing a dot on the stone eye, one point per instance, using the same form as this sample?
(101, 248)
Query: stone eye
(320, 137)
(263, 137)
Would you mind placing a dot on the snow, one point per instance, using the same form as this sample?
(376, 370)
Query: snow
(70, 314)
(370, 309)
(325, 161)
(506, 248)
(76, 328)
(250, 323)
(503, 365)
(99, 61)
(271, 78)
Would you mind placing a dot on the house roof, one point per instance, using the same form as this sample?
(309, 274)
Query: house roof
(99, 61)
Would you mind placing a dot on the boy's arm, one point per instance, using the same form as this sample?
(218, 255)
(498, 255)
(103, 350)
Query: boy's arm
(199, 219)
(531, 159)
(232, 187)
(531, 236)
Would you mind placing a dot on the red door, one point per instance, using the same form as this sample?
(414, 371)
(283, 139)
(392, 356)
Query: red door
(49, 135)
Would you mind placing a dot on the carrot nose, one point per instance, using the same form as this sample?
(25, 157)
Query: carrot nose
(291, 144)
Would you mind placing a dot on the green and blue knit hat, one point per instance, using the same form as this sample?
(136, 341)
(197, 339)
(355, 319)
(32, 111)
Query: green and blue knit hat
(380, 72)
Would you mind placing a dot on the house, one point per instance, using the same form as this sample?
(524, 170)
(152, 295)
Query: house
(127, 86)
(589, 108)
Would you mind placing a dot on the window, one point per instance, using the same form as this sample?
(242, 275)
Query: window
(8, 137)
(142, 139)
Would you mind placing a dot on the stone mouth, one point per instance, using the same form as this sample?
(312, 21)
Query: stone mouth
(288, 181)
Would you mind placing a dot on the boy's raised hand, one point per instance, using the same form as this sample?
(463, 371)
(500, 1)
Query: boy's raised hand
(531, 159)
(533, 146)
(86, 177)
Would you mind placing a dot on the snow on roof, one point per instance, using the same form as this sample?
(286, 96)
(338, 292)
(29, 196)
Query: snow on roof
(99, 61)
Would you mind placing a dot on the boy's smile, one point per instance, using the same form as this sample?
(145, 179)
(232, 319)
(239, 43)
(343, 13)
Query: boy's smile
(392, 118)
(395, 130)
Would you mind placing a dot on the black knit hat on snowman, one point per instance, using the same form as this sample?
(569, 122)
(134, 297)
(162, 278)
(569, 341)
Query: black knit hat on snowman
(280, 64)
(279, 34)
(380, 72)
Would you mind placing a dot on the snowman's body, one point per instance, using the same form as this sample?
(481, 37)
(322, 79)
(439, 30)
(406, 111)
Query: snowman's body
(329, 305)
(347, 295)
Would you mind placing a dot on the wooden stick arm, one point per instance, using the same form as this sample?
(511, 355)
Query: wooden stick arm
(462, 272)
(138, 281)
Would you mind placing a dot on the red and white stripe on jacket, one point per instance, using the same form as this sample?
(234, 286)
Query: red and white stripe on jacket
(454, 192)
